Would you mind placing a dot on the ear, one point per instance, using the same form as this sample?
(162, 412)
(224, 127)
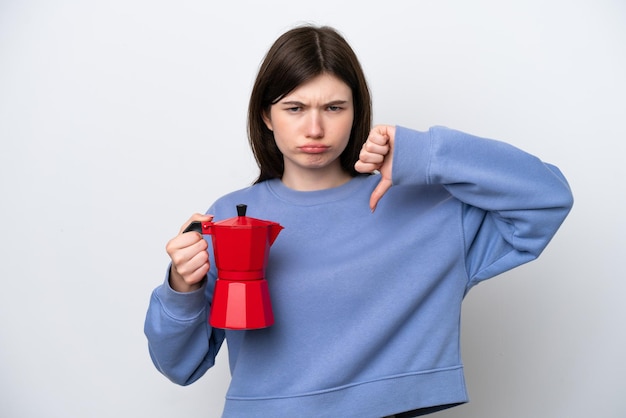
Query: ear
(267, 119)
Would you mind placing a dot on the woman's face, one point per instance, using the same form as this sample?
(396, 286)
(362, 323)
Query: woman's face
(312, 125)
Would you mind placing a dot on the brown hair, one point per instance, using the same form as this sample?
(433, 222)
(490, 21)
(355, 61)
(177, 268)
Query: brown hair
(297, 56)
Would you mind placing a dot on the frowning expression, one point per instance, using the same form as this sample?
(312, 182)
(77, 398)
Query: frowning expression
(312, 124)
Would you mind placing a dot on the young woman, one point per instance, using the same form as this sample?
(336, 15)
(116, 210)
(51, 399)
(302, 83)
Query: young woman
(385, 232)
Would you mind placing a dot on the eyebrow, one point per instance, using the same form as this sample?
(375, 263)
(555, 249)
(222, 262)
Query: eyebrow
(300, 104)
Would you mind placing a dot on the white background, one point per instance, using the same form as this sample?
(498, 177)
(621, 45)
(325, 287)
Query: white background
(120, 118)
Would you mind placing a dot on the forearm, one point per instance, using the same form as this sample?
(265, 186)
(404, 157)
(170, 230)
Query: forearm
(489, 174)
(513, 202)
(178, 283)
(181, 342)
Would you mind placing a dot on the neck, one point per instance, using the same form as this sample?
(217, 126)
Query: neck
(315, 179)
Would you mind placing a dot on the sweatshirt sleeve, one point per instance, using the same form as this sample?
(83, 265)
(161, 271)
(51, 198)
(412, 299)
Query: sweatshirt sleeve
(512, 203)
(182, 344)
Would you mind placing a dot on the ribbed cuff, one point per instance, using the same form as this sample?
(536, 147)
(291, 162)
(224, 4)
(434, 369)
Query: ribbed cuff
(181, 305)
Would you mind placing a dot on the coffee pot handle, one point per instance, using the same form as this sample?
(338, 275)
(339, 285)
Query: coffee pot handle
(203, 228)
(195, 226)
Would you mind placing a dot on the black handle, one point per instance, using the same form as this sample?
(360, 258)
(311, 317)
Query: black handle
(195, 226)
(241, 209)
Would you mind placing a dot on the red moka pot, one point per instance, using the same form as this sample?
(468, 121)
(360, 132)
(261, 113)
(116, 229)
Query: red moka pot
(241, 246)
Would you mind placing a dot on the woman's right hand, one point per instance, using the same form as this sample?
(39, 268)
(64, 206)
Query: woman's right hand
(190, 259)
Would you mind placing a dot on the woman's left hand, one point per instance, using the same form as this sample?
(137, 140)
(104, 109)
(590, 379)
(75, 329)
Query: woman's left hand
(377, 154)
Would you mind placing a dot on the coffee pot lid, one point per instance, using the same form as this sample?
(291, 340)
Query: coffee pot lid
(243, 221)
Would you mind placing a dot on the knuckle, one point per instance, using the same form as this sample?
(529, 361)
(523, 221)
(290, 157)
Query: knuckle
(183, 271)
(203, 257)
(177, 261)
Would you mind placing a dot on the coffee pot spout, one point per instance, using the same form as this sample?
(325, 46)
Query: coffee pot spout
(274, 231)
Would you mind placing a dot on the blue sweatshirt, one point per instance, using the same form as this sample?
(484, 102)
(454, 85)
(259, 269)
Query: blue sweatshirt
(367, 305)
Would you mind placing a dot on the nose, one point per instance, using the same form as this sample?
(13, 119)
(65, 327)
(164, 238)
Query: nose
(314, 128)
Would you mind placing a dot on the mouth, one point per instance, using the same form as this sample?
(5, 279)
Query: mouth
(314, 148)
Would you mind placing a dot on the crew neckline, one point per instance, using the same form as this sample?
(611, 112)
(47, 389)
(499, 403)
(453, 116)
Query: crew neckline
(315, 197)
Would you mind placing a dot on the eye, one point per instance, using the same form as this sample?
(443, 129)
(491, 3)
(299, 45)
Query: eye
(334, 108)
